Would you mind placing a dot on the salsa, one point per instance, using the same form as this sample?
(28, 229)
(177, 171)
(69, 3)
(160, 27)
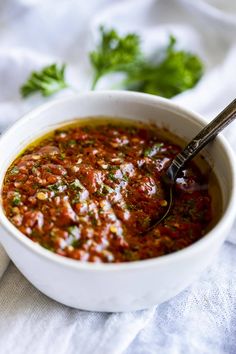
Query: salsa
(89, 191)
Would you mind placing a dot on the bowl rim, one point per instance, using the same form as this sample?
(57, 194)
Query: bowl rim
(169, 106)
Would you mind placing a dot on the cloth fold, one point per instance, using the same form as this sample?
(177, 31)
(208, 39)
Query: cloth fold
(36, 33)
(4, 260)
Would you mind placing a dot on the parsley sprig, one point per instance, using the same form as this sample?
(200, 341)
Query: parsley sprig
(114, 53)
(176, 72)
(171, 72)
(49, 80)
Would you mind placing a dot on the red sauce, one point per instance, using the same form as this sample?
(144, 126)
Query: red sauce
(89, 192)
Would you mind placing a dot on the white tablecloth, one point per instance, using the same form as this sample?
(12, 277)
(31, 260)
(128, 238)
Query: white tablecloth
(202, 319)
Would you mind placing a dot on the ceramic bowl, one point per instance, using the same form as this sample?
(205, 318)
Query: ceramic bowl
(125, 286)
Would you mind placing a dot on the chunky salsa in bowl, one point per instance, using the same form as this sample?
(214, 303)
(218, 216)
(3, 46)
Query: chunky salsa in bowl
(91, 190)
(77, 198)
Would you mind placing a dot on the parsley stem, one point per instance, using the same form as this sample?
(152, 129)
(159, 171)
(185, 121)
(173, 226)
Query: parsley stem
(95, 81)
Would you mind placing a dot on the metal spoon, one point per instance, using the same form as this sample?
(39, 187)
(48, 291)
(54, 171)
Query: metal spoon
(206, 135)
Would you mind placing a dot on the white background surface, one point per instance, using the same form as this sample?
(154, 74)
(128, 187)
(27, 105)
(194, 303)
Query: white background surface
(202, 319)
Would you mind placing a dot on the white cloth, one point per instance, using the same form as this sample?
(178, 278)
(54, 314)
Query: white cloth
(202, 319)
(4, 260)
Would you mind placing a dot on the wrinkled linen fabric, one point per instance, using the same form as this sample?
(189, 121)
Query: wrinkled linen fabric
(34, 33)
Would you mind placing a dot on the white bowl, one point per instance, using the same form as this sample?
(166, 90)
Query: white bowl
(125, 286)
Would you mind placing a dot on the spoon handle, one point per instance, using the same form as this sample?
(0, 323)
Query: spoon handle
(201, 139)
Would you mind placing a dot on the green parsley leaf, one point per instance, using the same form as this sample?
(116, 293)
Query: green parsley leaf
(92, 218)
(107, 189)
(57, 187)
(72, 143)
(176, 72)
(14, 171)
(153, 150)
(74, 231)
(76, 184)
(74, 236)
(76, 199)
(49, 80)
(16, 199)
(114, 53)
(112, 177)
